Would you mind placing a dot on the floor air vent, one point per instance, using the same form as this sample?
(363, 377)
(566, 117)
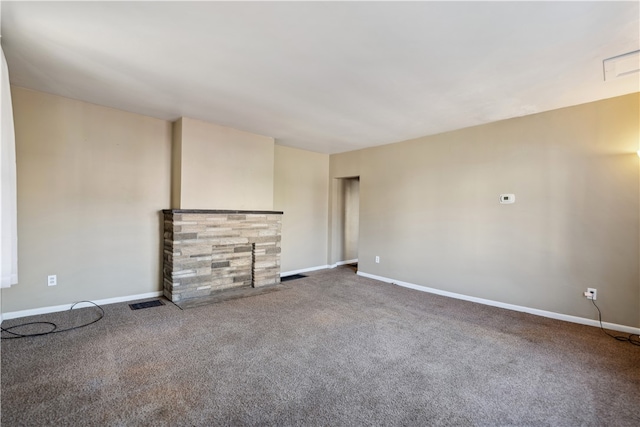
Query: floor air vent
(146, 304)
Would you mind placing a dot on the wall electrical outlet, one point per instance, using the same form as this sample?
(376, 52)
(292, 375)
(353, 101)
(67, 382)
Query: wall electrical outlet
(592, 293)
(507, 199)
(52, 280)
(377, 259)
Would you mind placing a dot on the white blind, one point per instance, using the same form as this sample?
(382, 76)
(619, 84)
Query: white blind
(8, 207)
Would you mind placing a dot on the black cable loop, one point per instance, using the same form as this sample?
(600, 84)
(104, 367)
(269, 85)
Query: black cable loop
(54, 329)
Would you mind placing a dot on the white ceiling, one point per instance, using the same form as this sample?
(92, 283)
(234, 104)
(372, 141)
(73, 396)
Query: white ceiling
(327, 77)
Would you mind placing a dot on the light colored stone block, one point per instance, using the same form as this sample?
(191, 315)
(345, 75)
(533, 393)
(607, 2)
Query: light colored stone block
(183, 273)
(199, 249)
(228, 241)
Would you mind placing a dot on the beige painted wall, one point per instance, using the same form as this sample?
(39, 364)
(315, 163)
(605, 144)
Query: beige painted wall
(225, 168)
(429, 208)
(301, 190)
(91, 183)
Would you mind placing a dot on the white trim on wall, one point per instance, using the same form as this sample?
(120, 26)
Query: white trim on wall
(319, 267)
(56, 308)
(535, 311)
(304, 270)
(339, 263)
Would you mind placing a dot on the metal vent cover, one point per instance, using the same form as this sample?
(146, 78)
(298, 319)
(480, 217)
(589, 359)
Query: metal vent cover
(621, 65)
(146, 304)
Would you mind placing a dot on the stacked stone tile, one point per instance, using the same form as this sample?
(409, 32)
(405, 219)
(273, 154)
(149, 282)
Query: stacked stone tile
(207, 251)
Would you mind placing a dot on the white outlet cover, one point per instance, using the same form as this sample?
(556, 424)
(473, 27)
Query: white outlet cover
(507, 198)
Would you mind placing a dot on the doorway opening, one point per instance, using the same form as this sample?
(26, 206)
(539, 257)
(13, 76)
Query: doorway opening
(346, 222)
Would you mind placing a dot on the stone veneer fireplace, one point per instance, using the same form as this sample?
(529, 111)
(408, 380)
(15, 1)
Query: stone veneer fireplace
(207, 251)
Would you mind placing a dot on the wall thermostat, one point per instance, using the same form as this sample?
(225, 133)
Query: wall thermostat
(507, 198)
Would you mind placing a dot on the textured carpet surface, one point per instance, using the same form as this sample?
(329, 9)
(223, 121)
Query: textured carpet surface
(330, 349)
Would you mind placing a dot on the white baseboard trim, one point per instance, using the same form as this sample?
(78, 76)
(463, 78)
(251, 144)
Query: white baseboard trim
(339, 263)
(319, 267)
(304, 270)
(64, 307)
(535, 311)
(56, 308)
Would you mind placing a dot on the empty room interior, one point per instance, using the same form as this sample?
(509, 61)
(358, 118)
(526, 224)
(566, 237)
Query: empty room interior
(320, 213)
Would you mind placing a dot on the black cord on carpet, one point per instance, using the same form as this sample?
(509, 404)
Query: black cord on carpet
(54, 329)
(628, 339)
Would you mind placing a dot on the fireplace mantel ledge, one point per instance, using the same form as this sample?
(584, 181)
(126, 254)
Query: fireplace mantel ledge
(217, 211)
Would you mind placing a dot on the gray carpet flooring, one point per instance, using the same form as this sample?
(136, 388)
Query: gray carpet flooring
(331, 349)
